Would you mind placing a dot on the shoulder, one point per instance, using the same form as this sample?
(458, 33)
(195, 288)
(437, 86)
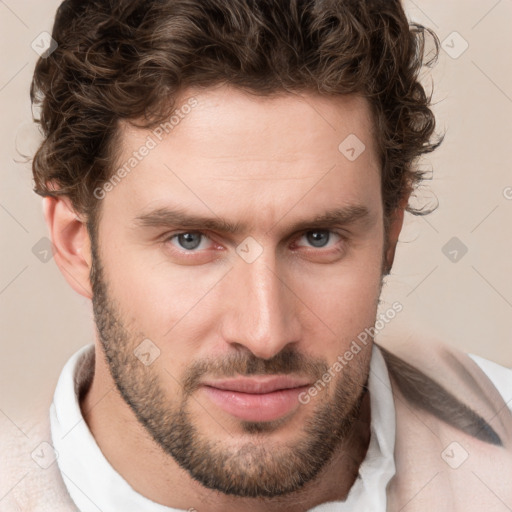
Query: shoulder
(450, 415)
(467, 393)
(30, 479)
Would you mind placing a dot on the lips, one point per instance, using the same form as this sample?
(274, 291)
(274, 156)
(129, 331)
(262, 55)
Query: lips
(258, 385)
(261, 398)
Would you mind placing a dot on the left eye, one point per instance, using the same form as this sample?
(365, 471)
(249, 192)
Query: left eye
(189, 240)
(319, 238)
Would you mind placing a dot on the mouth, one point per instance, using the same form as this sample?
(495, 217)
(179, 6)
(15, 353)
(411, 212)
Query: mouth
(263, 398)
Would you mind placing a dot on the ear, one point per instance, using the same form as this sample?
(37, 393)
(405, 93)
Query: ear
(72, 249)
(396, 221)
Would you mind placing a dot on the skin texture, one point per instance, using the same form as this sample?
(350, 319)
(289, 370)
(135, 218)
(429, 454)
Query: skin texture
(268, 164)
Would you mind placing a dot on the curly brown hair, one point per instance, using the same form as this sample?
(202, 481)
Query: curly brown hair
(129, 60)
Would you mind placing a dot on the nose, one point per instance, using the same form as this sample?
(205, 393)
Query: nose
(262, 310)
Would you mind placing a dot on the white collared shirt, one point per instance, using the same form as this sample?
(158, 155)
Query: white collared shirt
(94, 485)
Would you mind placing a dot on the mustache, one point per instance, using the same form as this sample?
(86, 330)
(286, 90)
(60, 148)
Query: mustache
(285, 362)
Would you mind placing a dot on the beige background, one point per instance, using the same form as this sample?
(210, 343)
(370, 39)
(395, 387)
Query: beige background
(467, 303)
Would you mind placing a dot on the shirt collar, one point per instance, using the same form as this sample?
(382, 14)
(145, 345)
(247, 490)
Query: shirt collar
(94, 485)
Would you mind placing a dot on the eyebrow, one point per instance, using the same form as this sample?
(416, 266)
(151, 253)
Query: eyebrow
(177, 217)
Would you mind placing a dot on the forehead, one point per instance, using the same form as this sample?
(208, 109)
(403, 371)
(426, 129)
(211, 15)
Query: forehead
(222, 116)
(224, 149)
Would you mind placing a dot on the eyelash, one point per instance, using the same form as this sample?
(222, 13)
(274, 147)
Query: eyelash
(171, 236)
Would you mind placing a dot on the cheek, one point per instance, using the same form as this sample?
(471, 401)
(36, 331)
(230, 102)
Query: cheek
(346, 303)
(153, 294)
(343, 300)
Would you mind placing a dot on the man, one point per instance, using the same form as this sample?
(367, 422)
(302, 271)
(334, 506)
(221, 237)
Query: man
(226, 180)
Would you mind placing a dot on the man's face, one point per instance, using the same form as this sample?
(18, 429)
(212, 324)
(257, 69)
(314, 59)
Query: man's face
(222, 320)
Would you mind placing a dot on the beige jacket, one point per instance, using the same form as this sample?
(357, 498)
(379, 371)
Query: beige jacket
(453, 448)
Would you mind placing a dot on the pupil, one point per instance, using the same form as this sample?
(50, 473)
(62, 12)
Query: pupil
(318, 238)
(187, 240)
